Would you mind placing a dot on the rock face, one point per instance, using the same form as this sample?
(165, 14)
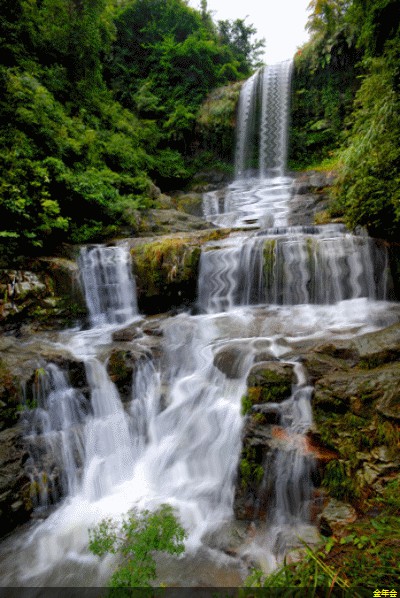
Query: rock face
(310, 197)
(21, 369)
(168, 220)
(335, 516)
(15, 500)
(46, 292)
(268, 383)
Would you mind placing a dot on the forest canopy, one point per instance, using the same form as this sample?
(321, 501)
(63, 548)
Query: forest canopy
(346, 107)
(99, 101)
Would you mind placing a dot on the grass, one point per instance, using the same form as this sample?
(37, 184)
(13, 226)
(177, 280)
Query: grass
(365, 556)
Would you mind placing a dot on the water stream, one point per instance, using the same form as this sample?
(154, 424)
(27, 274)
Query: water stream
(178, 438)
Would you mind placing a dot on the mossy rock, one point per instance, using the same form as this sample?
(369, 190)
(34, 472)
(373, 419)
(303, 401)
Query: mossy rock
(10, 397)
(166, 270)
(46, 292)
(191, 203)
(122, 364)
(268, 382)
(337, 391)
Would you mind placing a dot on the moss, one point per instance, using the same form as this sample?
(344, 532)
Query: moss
(352, 436)
(120, 368)
(259, 418)
(168, 269)
(251, 471)
(323, 217)
(269, 387)
(339, 482)
(252, 397)
(161, 262)
(217, 119)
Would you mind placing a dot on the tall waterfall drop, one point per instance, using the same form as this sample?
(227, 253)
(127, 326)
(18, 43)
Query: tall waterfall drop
(259, 195)
(262, 123)
(174, 432)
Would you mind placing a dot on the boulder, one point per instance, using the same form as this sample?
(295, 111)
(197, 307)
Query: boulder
(122, 364)
(337, 391)
(270, 382)
(127, 334)
(229, 360)
(336, 516)
(190, 203)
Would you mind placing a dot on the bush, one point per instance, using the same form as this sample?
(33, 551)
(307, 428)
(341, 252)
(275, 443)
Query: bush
(135, 539)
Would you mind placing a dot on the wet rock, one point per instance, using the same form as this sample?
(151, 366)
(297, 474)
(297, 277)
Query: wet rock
(208, 180)
(153, 328)
(10, 396)
(15, 504)
(367, 351)
(166, 221)
(229, 537)
(336, 391)
(46, 292)
(122, 364)
(336, 516)
(264, 356)
(166, 270)
(318, 365)
(378, 348)
(310, 197)
(229, 361)
(127, 334)
(269, 383)
(191, 203)
(273, 381)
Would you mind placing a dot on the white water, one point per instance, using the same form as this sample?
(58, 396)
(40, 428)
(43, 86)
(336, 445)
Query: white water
(109, 287)
(178, 440)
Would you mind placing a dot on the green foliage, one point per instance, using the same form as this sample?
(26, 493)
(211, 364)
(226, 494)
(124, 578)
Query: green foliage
(216, 121)
(98, 98)
(339, 482)
(346, 103)
(135, 539)
(368, 189)
(237, 36)
(246, 405)
(251, 471)
(366, 557)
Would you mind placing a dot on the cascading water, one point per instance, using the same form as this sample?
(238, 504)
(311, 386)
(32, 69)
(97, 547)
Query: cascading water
(259, 195)
(293, 267)
(262, 116)
(178, 439)
(108, 284)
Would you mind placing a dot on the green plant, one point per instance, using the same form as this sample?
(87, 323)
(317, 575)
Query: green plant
(135, 539)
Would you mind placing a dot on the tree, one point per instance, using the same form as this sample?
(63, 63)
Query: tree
(238, 37)
(368, 185)
(135, 539)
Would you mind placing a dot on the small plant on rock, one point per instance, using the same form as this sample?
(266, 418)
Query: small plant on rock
(135, 539)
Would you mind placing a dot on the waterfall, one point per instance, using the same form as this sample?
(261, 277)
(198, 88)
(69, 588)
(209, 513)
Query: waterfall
(325, 267)
(262, 122)
(177, 439)
(54, 437)
(259, 195)
(108, 284)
